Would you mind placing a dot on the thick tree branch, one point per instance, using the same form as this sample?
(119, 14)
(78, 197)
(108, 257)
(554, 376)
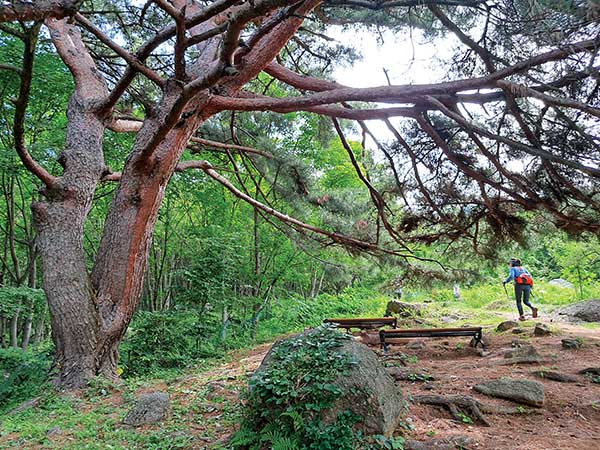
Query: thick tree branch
(301, 82)
(67, 40)
(25, 10)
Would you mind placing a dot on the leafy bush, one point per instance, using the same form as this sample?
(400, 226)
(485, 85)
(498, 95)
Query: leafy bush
(23, 374)
(165, 340)
(294, 313)
(285, 399)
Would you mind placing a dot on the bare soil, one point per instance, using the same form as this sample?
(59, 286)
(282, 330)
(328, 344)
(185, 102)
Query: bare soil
(569, 419)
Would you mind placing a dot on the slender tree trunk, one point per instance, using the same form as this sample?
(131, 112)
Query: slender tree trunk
(14, 330)
(2, 331)
(27, 330)
(40, 327)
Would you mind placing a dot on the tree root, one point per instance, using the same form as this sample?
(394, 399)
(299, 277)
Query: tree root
(463, 406)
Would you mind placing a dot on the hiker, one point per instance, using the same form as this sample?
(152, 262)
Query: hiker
(523, 284)
(398, 291)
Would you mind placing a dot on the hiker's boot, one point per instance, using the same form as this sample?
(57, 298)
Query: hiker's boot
(521, 318)
(534, 312)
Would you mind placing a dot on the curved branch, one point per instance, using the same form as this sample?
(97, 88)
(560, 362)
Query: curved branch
(26, 74)
(23, 10)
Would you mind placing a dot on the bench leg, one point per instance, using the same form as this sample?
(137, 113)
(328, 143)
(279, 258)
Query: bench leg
(479, 340)
(383, 345)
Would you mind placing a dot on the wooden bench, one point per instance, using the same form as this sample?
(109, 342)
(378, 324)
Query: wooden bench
(475, 332)
(363, 323)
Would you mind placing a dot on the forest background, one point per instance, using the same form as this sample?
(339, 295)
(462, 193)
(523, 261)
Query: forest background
(221, 275)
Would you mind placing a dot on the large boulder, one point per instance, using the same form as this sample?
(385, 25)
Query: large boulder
(588, 311)
(403, 309)
(364, 386)
(521, 391)
(148, 409)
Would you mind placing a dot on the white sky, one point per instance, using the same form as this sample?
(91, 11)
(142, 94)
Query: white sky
(408, 59)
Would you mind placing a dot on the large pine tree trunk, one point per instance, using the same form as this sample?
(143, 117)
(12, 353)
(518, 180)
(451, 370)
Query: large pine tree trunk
(121, 263)
(59, 221)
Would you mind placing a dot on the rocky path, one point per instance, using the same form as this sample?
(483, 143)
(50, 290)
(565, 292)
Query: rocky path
(569, 418)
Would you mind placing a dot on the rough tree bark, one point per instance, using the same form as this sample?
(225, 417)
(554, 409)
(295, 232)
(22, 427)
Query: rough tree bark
(91, 312)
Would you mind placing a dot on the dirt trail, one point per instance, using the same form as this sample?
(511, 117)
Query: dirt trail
(569, 419)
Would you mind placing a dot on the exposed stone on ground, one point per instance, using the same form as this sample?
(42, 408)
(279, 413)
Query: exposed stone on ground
(416, 345)
(521, 391)
(369, 391)
(148, 409)
(519, 330)
(54, 431)
(452, 443)
(33, 403)
(507, 325)
(588, 311)
(570, 343)
(562, 283)
(517, 343)
(403, 309)
(525, 352)
(555, 376)
(541, 330)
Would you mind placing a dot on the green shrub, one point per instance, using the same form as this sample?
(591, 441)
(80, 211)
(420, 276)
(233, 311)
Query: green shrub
(165, 340)
(285, 399)
(23, 375)
(294, 313)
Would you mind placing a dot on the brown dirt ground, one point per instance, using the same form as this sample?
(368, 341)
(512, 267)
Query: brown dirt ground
(569, 419)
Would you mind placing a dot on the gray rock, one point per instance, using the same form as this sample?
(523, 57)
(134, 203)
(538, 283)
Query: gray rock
(525, 351)
(369, 391)
(416, 345)
(541, 330)
(570, 343)
(526, 354)
(562, 283)
(519, 330)
(521, 391)
(588, 311)
(148, 409)
(507, 325)
(54, 431)
(403, 309)
(555, 376)
(33, 403)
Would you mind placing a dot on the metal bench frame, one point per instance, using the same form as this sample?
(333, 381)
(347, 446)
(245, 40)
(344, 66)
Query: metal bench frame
(367, 323)
(475, 332)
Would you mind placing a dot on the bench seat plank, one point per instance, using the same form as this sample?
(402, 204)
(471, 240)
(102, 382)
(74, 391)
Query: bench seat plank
(368, 323)
(475, 332)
